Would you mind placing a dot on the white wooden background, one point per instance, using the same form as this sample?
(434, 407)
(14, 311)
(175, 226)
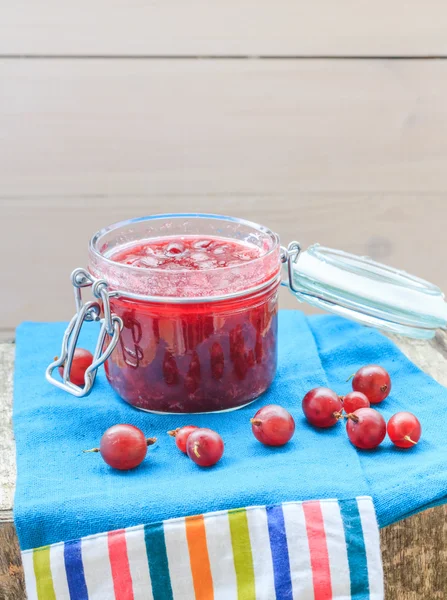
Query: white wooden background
(325, 120)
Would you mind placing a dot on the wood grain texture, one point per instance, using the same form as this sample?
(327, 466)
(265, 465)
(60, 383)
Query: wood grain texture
(392, 228)
(12, 581)
(7, 446)
(230, 27)
(100, 127)
(414, 553)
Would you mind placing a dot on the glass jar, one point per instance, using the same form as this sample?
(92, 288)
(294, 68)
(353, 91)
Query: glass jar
(188, 306)
(193, 339)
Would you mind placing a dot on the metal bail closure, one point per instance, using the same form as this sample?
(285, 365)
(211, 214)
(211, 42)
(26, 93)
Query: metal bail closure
(111, 325)
(366, 291)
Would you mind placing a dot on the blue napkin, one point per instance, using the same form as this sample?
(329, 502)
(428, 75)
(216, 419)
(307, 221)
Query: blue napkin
(63, 493)
(402, 482)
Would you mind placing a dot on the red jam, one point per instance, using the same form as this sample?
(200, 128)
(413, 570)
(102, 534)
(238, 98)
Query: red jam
(187, 253)
(199, 356)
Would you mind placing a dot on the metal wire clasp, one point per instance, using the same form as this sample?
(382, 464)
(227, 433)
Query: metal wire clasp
(290, 256)
(111, 325)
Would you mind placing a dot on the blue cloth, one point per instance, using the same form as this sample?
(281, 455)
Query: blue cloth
(63, 493)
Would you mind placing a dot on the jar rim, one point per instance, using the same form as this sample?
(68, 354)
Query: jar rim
(98, 255)
(95, 239)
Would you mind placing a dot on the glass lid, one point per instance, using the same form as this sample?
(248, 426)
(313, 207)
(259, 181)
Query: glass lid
(369, 292)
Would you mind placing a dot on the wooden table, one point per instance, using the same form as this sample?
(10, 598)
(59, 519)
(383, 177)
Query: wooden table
(414, 550)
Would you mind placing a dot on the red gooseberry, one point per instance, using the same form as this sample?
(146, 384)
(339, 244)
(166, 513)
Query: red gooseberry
(366, 428)
(205, 447)
(373, 381)
(272, 425)
(123, 446)
(181, 435)
(404, 429)
(354, 401)
(82, 359)
(322, 407)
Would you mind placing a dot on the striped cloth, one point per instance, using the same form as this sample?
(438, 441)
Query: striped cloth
(316, 550)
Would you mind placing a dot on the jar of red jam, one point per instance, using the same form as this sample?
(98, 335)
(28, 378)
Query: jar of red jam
(188, 306)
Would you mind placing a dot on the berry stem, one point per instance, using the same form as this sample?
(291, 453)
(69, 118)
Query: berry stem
(149, 442)
(256, 422)
(384, 388)
(353, 417)
(350, 377)
(341, 398)
(408, 439)
(195, 450)
(338, 414)
(173, 432)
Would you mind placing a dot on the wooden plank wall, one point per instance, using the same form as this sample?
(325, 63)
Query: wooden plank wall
(326, 121)
(230, 28)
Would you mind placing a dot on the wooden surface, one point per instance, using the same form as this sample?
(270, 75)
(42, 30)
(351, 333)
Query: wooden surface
(12, 583)
(385, 227)
(201, 127)
(224, 27)
(7, 447)
(414, 550)
(345, 152)
(414, 553)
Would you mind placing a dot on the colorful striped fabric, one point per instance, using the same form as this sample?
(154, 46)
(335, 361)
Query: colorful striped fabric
(316, 550)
